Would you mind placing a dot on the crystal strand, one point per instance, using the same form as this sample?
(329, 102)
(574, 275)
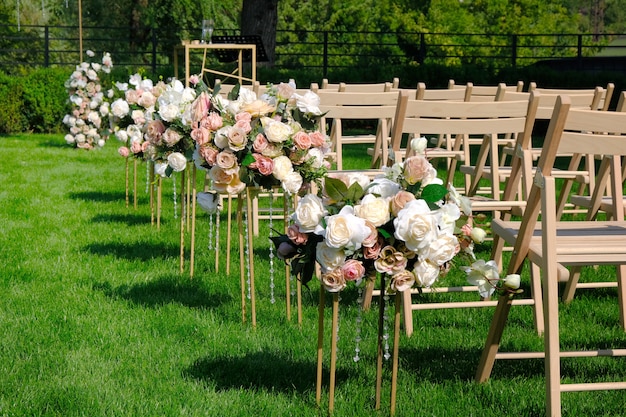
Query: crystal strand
(292, 279)
(271, 220)
(247, 252)
(217, 231)
(211, 231)
(359, 319)
(386, 328)
(175, 201)
(147, 177)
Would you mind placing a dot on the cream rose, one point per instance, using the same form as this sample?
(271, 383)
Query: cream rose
(276, 131)
(373, 209)
(333, 281)
(177, 161)
(402, 281)
(309, 213)
(171, 137)
(120, 108)
(383, 187)
(345, 230)
(169, 112)
(442, 249)
(282, 167)
(292, 183)
(416, 225)
(426, 273)
(329, 258)
(399, 200)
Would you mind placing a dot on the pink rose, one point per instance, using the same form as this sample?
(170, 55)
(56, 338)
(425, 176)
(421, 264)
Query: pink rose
(260, 143)
(209, 154)
(171, 137)
(243, 116)
(297, 237)
(132, 96)
(318, 139)
(135, 147)
(373, 237)
(200, 107)
(213, 121)
(244, 125)
(201, 135)
(399, 200)
(302, 140)
(353, 270)
(416, 168)
(372, 252)
(123, 151)
(154, 131)
(263, 164)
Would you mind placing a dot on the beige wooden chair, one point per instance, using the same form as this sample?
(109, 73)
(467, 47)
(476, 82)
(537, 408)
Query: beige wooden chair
(468, 119)
(551, 245)
(488, 92)
(378, 108)
(602, 103)
(369, 87)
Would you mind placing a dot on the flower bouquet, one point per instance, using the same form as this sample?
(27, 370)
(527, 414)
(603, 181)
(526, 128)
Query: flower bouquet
(89, 108)
(266, 141)
(404, 224)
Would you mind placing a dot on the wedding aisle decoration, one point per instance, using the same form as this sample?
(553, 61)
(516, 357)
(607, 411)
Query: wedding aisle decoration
(88, 119)
(404, 226)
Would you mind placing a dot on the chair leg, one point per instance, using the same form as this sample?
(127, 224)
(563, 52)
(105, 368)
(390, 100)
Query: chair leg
(408, 312)
(570, 286)
(488, 357)
(552, 349)
(621, 294)
(536, 294)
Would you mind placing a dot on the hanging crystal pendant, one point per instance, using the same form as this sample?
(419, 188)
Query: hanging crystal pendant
(247, 252)
(271, 221)
(211, 231)
(359, 320)
(387, 355)
(175, 196)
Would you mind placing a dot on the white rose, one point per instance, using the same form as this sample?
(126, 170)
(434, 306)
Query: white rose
(276, 131)
(484, 275)
(134, 133)
(169, 112)
(375, 209)
(177, 161)
(309, 213)
(221, 137)
(308, 103)
(122, 135)
(292, 183)
(416, 225)
(159, 168)
(478, 235)
(329, 258)
(101, 142)
(512, 281)
(442, 249)
(317, 156)
(418, 145)
(345, 230)
(120, 108)
(426, 273)
(450, 213)
(208, 201)
(69, 139)
(383, 187)
(362, 179)
(464, 203)
(282, 167)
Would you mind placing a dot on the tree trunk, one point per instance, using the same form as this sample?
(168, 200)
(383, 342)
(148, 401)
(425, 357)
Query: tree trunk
(260, 17)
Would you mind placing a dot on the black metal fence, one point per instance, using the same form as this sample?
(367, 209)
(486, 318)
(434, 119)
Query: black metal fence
(46, 46)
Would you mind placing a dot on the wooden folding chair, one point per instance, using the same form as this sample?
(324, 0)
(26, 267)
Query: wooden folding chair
(463, 118)
(488, 92)
(379, 108)
(551, 245)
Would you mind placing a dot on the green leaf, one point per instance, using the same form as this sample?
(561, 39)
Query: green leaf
(247, 160)
(434, 192)
(355, 192)
(336, 189)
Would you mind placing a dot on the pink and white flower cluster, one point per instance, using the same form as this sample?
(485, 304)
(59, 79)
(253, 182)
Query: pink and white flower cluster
(153, 122)
(88, 120)
(264, 141)
(404, 224)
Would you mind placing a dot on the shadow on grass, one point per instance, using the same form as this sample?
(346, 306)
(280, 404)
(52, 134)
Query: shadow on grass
(439, 365)
(260, 370)
(130, 219)
(166, 290)
(143, 251)
(99, 196)
(54, 143)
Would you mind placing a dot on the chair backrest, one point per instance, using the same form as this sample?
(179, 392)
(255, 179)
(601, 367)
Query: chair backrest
(365, 88)
(462, 93)
(600, 102)
(488, 92)
(573, 130)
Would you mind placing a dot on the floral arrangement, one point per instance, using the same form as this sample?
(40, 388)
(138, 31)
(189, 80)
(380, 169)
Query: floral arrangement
(485, 275)
(88, 118)
(153, 122)
(266, 141)
(404, 224)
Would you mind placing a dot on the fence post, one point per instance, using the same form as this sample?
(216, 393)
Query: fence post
(325, 57)
(154, 50)
(579, 51)
(422, 54)
(514, 51)
(46, 53)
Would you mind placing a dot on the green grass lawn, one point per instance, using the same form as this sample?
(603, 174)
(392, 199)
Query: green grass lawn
(96, 319)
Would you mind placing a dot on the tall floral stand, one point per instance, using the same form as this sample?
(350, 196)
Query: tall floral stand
(127, 182)
(380, 349)
(246, 271)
